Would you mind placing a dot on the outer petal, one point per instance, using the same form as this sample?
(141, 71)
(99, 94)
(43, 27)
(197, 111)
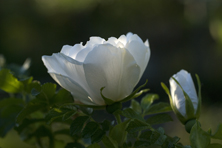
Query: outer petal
(77, 91)
(177, 97)
(65, 49)
(68, 67)
(112, 68)
(140, 52)
(186, 82)
(94, 40)
(75, 50)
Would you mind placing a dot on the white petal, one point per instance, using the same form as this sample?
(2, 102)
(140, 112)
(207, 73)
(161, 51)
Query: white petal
(185, 80)
(177, 97)
(147, 43)
(128, 36)
(135, 37)
(112, 68)
(65, 49)
(112, 40)
(140, 52)
(66, 66)
(77, 91)
(75, 50)
(123, 39)
(83, 53)
(94, 40)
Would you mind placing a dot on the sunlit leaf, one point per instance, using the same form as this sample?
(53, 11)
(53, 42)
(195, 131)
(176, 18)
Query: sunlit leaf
(9, 83)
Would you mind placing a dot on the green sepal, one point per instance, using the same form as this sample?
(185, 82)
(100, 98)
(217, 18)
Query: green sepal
(199, 97)
(131, 96)
(140, 93)
(175, 110)
(189, 124)
(190, 111)
(168, 93)
(107, 100)
(114, 107)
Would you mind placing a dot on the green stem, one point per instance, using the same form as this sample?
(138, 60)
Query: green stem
(118, 119)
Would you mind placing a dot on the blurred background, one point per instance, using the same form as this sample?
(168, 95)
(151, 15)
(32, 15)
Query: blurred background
(183, 34)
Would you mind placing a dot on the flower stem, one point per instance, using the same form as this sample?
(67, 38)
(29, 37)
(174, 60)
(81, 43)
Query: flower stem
(118, 119)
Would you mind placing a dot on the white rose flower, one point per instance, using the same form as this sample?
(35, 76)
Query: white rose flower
(178, 99)
(116, 64)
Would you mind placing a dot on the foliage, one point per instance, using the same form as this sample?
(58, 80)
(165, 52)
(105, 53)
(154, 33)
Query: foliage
(34, 109)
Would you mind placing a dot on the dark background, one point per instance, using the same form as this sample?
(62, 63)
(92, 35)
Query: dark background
(183, 34)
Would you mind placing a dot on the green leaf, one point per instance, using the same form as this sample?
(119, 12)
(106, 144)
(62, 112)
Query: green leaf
(159, 118)
(77, 124)
(29, 109)
(74, 145)
(137, 125)
(89, 129)
(214, 145)
(95, 145)
(9, 83)
(154, 137)
(131, 114)
(34, 88)
(11, 101)
(97, 136)
(63, 96)
(109, 142)
(148, 100)
(136, 106)
(68, 115)
(7, 118)
(26, 123)
(146, 135)
(64, 113)
(159, 108)
(198, 137)
(118, 132)
(141, 143)
(218, 133)
(105, 125)
(47, 93)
